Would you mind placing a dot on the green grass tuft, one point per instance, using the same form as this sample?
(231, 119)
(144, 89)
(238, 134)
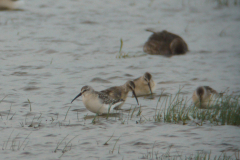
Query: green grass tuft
(176, 109)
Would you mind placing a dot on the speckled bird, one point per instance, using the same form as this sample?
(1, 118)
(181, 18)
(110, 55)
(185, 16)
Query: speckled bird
(97, 102)
(121, 92)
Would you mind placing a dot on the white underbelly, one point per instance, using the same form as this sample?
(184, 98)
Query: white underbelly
(94, 105)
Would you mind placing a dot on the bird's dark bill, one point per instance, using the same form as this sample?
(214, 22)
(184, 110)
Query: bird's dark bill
(77, 96)
(150, 88)
(135, 96)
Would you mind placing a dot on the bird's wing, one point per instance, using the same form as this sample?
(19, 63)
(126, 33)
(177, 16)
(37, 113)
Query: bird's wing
(113, 92)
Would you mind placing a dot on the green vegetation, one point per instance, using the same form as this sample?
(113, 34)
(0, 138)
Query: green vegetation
(121, 54)
(176, 109)
(227, 2)
(201, 155)
(15, 144)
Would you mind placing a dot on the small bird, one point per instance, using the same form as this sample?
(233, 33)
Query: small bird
(121, 92)
(11, 4)
(204, 96)
(165, 43)
(97, 102)
(144, 85)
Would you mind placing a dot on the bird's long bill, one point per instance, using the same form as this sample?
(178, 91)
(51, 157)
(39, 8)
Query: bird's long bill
(149, 87)
(77, 96)
(135, 96)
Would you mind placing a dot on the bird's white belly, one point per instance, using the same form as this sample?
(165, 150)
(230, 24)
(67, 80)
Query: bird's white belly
(93, 104)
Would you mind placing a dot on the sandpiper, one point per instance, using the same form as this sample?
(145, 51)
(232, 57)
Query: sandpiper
(11, 4)
(165, 43)
(97, 102)
(121, 92)
(144, 85)
(204, 96)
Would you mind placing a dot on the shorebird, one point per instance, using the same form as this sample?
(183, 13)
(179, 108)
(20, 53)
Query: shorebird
(97, 102)
(121, 92)
(204, 96)
(144, 85)
(11, 4)
(165, 43)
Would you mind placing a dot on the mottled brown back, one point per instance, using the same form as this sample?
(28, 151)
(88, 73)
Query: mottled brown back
(165, 43)
(210, 89)
(114, 92)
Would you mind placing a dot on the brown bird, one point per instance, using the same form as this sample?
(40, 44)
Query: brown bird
(97, 102)
(11, 4)
(204, 96)
(165, 43)
(144, 85)
(121, 92)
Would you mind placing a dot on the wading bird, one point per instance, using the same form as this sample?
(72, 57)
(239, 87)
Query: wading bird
(144, 85)
(97, 102)
(204, 96)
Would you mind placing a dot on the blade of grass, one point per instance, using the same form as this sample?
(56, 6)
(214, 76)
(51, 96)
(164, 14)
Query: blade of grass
(9, 110)
(3, 98)
(121, 45)
(67, 113)
(59, 144)
(30, 105)
(115, 144)
(9, 139)
(24, 140)
(106, 143)
(67, 145)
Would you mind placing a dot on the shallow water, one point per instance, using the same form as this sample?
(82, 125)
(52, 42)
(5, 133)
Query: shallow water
(53, 48)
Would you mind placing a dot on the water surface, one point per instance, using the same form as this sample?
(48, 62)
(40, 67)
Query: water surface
(53, 48)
